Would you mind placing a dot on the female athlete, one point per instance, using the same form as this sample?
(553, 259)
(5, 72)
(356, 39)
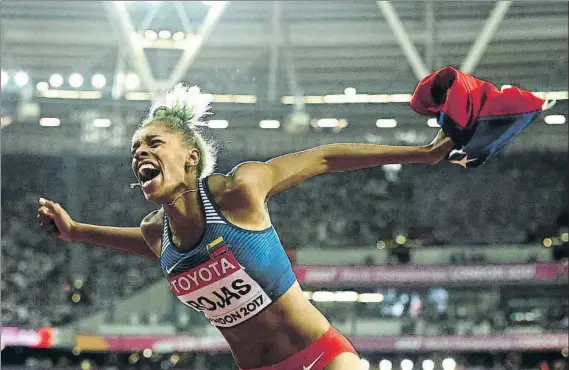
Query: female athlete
(214, 238)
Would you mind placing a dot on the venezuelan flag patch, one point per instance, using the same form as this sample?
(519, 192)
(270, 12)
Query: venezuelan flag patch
(217, 247)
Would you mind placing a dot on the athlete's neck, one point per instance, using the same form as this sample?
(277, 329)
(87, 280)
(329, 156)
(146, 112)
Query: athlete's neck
(185, 212)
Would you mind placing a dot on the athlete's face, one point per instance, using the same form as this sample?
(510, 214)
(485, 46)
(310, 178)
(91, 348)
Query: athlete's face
(161, 162)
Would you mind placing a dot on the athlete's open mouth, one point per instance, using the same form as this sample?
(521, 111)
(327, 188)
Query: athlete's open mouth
(147, 172)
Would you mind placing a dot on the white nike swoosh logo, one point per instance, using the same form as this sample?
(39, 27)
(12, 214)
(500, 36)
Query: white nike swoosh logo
(169, 270)
(312, 364)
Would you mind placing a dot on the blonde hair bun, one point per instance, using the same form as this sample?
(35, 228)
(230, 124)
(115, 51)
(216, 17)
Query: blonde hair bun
(184, 103)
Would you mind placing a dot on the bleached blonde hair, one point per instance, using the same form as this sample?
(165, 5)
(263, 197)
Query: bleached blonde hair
(183, 109)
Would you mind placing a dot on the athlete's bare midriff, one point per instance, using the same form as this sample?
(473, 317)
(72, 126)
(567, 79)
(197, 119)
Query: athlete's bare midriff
(287, 326)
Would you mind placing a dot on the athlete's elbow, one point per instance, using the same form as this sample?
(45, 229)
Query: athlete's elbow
(433, 156)
(330, 158)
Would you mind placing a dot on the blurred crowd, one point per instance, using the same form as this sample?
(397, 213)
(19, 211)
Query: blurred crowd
(505, 201)
(496, 203)
(460, 312)
(33, 264)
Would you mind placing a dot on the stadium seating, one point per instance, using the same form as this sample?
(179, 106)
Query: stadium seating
(497, 203)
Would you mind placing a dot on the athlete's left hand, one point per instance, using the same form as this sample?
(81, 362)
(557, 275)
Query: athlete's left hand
(440, 147)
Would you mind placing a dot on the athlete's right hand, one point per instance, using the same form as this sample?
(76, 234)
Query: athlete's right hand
(55, 220)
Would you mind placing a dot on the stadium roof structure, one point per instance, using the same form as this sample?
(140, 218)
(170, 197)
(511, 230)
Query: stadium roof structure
(372, 46)
(266, 53)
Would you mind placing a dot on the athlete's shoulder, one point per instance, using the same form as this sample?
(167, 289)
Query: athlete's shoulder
(152, 227)
(154, 218)
(247, 172)
(239, 182)
(217, 182)
(231, 191)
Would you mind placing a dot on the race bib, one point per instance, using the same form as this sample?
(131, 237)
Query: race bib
(222, 290)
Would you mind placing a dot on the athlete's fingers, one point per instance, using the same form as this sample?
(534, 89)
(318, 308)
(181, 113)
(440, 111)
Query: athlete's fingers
(47, 203)
(43, 210)
(51, 205)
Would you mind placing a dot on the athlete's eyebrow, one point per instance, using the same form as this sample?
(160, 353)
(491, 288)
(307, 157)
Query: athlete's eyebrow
(148, 137)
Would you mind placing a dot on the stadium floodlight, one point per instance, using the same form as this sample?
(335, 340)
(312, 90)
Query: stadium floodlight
(392, 167)
(555, 119)
(131, 81)
(98, 81)
(56, 80)
(399, 239)
(365, 364)
(21, 79)
(370, 297)
(385, 365)
(164, 34)
(269, 123)
(328, 122)
(400, 98)
(4, 78)
(75, 80)
(178, 36)
(42, 86)
(428, 365)
(386, 123)
(5, 121)
(101, 123)
(345, 296)
(350, 91)
(323, 296)
(406, 364)
(449, 364)
(150, 35)
(50, 122)
(557, 95)
(218, 123)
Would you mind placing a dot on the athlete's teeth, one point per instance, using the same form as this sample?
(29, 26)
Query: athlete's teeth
(146, 165)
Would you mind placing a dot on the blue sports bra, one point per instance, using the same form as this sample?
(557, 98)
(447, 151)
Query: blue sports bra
(232, 274)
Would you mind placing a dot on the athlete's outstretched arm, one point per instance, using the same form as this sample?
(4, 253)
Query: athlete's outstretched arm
(348, 157)
(278, 174)
(56, 221)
